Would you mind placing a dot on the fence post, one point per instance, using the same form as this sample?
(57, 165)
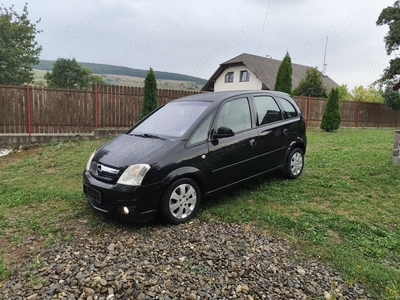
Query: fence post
(308, 109)
(378, 116)
(96, 105)
(358, 113)
(28, 99)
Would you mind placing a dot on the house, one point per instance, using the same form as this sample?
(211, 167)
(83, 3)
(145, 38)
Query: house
(252, 72)
(396, 87)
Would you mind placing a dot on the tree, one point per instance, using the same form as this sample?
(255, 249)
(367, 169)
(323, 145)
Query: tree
(150, 99)
(331, 119)
(97, 78)
(68, 74)
(344, 93)
(369, 94)
(391, 98)
(391, 16)
(284, 77)
(18, 48)
(311, 85)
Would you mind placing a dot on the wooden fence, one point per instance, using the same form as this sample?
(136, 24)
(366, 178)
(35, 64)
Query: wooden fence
(354, 113)
(43, 110)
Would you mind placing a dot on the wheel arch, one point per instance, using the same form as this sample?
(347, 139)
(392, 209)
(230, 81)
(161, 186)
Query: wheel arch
(298, 143)
(187, 172)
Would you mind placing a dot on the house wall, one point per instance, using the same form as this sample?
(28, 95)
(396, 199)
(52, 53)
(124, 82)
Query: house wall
(253, 84)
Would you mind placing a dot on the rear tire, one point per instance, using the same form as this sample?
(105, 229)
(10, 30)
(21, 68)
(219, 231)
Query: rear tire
(181, 201)
(294, 164)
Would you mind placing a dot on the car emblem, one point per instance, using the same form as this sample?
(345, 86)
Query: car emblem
(96, 168)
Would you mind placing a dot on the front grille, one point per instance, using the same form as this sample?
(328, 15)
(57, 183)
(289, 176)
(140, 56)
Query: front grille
(103, 172)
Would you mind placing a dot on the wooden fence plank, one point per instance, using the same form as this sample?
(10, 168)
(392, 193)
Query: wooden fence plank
(74, 111)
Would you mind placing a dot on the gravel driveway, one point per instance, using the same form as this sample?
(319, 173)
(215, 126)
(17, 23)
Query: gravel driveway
(198, 260)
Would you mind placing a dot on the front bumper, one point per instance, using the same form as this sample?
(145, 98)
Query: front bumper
(141, 201)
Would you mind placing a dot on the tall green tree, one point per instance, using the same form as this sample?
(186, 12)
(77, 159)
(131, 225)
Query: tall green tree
(311, 84)
(19, 49)
(68, 74)
(283, 81)
(150, 99)
(331, 119)
(391, 16)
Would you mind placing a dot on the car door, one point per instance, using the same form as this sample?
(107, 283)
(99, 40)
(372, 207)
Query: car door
(232, 158)
(273, 133)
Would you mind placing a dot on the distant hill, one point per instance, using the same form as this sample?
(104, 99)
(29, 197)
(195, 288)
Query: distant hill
(46, 65)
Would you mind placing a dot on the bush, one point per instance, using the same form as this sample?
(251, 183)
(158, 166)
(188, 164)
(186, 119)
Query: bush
(331, 119)
(284, 77)
(391, 98)
(312, 84)
(150, 99)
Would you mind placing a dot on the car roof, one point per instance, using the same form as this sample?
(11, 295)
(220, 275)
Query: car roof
(221, 96)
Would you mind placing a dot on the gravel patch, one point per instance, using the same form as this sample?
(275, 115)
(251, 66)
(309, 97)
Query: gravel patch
(198, 260)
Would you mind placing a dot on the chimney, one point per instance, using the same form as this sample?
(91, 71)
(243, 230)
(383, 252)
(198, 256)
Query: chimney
(324, 70)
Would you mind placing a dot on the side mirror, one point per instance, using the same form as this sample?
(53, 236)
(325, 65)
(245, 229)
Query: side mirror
(223, 132)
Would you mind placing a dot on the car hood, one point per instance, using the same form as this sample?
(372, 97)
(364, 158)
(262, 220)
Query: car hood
(126, 150)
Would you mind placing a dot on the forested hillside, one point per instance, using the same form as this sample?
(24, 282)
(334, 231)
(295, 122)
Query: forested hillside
(118, 70)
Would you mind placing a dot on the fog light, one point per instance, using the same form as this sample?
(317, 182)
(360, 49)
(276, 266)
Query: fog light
(125, 210)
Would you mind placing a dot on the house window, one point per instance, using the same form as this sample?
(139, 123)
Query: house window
(244, 76)
(229, 77)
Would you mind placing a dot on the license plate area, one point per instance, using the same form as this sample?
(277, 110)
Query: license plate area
(93, 195)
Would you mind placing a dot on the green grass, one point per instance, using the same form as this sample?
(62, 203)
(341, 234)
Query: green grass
(343, 209)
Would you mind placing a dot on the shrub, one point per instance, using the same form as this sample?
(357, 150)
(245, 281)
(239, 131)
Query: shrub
(284, 77)
(312, 84)
(150, 99)
(331, 119)
(391, 98)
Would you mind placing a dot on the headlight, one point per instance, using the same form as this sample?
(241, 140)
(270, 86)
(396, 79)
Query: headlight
(90, 161)
(134, 174)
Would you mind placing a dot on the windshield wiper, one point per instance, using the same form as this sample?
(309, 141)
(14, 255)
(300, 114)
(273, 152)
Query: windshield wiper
(148, 135)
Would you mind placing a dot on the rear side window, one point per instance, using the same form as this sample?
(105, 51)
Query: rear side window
(288, 109)
(267, 110)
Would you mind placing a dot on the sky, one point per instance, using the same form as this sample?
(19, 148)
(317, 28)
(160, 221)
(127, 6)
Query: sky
(194, 37)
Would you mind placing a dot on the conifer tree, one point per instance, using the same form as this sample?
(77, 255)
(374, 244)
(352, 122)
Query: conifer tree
(283, 81)
(331, 119)
(312, 84)
(150, 99)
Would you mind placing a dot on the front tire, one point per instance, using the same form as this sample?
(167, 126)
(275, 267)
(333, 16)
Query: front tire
(294, 164)
(181, 201)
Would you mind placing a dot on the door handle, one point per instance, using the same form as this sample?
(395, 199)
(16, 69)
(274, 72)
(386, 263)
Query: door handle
(252, 142)
(285, 131)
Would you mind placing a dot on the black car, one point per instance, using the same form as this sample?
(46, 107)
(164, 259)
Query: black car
(191, 148)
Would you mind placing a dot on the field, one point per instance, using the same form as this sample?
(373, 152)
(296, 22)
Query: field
(343, 209)
(130, 81)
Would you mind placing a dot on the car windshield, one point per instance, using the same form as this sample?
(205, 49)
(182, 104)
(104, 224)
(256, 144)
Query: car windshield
(174, 119)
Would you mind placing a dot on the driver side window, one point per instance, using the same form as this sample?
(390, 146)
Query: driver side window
(235, 115)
